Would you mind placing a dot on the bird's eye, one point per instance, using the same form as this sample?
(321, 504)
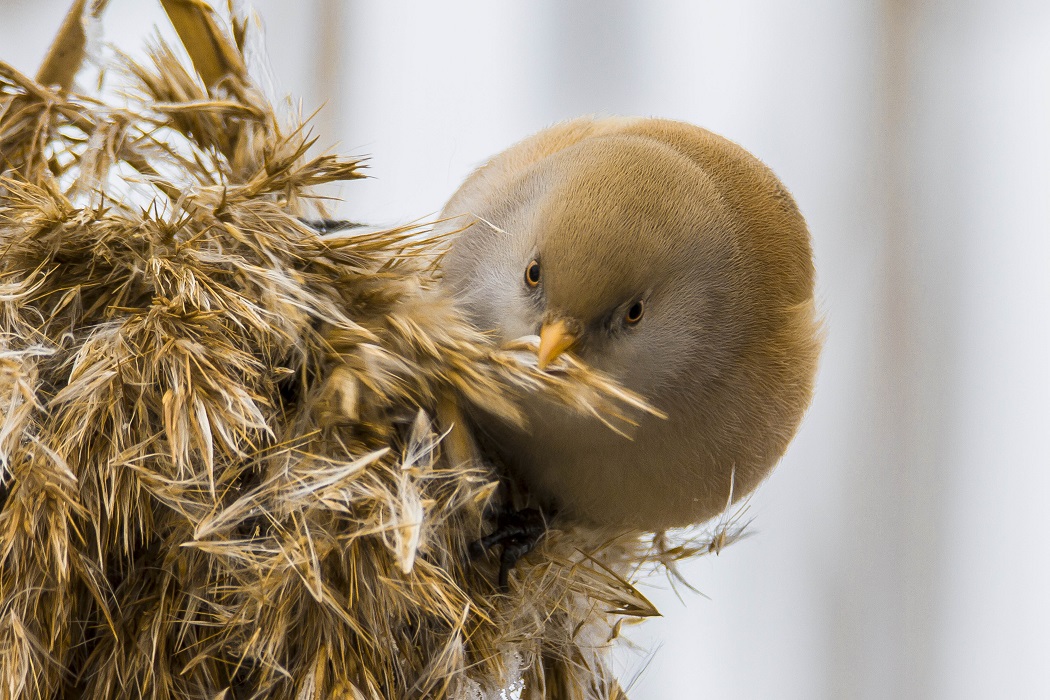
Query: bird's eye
(532, 273)
(634, 313)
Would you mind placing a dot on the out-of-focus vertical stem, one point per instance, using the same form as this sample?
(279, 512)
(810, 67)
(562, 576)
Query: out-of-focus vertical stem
(331, 37)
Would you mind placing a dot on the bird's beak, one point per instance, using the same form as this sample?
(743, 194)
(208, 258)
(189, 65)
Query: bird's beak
(555, 338)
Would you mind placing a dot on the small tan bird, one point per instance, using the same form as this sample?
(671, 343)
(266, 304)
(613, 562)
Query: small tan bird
(675, 262)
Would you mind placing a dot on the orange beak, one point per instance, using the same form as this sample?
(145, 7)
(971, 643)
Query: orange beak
(555, 338)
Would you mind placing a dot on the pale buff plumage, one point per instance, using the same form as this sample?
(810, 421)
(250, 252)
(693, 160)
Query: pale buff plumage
(617, 211)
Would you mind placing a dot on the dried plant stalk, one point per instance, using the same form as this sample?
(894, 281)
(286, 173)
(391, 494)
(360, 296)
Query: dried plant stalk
(213, 54)
(67, 51)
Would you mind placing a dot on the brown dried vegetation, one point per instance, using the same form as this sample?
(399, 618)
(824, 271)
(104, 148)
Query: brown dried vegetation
(221, 453)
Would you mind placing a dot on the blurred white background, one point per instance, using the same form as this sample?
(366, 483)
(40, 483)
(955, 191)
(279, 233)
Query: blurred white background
(901, 547)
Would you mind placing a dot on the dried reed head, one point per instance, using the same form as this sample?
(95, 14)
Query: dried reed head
(221, 433)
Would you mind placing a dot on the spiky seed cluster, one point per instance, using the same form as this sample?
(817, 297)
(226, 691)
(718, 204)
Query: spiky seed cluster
(221, 451)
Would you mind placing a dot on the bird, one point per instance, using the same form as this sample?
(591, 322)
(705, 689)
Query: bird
(670, 259)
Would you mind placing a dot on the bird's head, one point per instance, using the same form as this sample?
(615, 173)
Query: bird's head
(612, 253)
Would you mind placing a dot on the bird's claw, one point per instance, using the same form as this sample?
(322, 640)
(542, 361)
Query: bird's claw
(517, 532)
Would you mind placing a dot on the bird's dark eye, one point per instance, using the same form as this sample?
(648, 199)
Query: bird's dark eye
(634, 313)
(532, 273)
